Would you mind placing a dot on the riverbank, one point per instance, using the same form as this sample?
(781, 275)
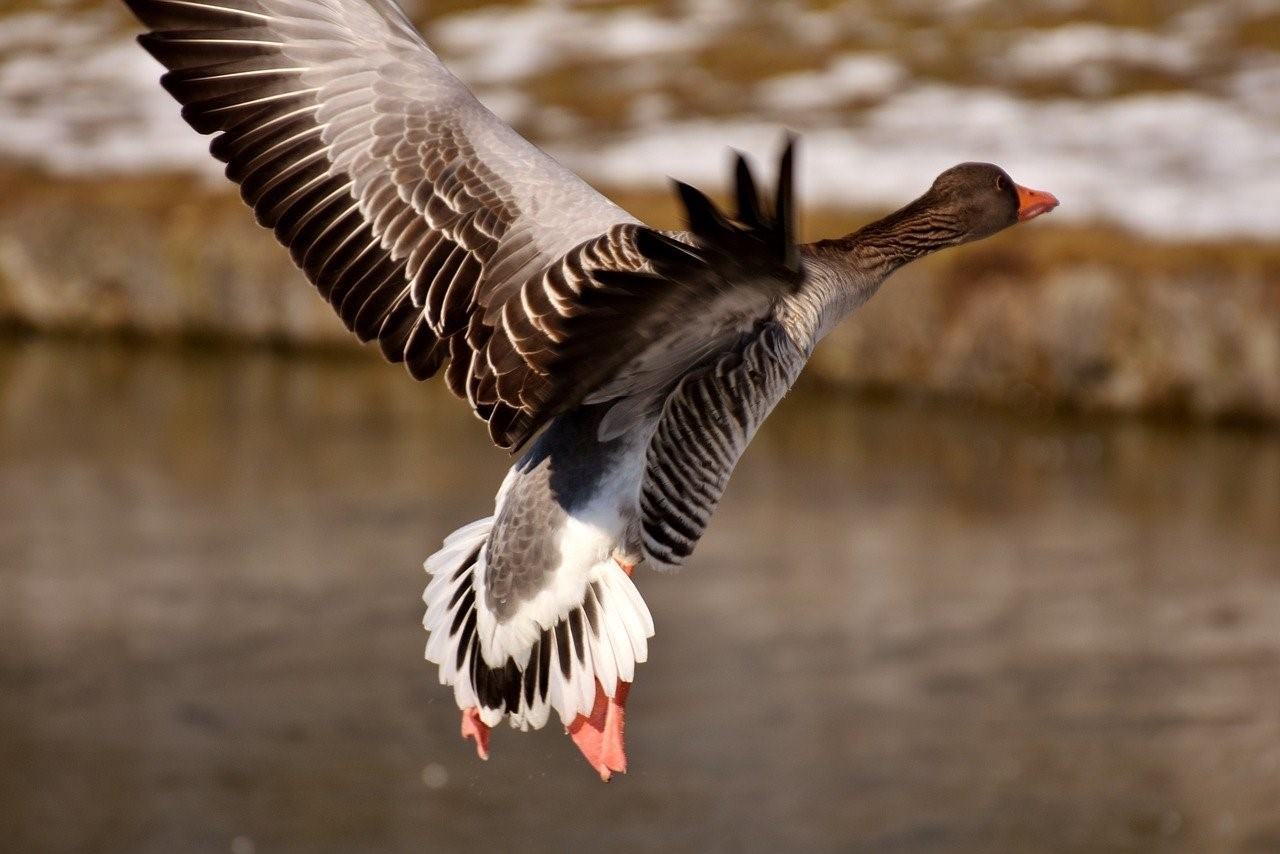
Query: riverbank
(1045, 317)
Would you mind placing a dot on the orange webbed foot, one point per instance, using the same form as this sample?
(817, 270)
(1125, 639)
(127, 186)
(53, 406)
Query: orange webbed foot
(600, 735)
(474, 727)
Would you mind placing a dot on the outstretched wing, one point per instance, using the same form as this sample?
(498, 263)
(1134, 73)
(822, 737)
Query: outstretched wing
(705, 427)
(430, 225)
(713, 411)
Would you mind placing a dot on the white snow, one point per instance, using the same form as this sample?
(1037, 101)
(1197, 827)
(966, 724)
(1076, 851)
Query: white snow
(1074, 47)
(1172, 164)
(505, 44)
(89, 110)
(849, 78)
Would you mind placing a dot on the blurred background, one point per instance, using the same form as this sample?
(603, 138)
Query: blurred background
(1003, 574)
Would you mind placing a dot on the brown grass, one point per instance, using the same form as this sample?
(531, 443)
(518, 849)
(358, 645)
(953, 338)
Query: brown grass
(1078, 317)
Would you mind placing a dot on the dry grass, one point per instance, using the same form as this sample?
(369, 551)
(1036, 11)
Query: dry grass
(1043, 316)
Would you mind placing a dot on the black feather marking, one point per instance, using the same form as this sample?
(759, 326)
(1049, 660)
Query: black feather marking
(378, 309)
(562, 649)
(440, 283)
(531, 673)
(460, 297)
(749, 213)
(381, 296)
(544, 663)
(464, 640)
(333, 207)
(665, 252)
(465, 606)
(356, 282)
(420, 350)
(457, 576)
(511, 686)
(296, 212)
(502, 422)
(425, 365)
(590, 609)
(457, 597)
(575, 626)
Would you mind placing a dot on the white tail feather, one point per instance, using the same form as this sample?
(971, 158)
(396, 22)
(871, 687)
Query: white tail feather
(613, 625)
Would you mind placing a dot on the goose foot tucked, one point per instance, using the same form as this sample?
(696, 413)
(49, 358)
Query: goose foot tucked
(473, 727)
(599, 736)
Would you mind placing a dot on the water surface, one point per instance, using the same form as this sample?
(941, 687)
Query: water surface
(909, 629)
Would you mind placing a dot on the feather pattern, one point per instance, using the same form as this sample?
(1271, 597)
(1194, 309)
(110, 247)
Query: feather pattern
(600, 637)
(705, 426)
(430, 225)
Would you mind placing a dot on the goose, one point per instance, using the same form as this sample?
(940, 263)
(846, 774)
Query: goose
(625, 367)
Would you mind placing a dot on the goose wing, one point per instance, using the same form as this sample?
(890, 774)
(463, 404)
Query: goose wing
(705, 426)
(741, 266)
(710, 413)
(429, 224)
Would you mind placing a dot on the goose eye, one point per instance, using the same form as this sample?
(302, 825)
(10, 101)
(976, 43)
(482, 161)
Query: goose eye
(999, 182)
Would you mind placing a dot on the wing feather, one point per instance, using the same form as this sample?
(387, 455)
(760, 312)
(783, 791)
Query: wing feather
(405, 201)
(437, 231)
(705, 427)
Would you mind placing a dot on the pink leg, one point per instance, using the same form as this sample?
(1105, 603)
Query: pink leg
(599, 736)
(628, 568)
(473, 727)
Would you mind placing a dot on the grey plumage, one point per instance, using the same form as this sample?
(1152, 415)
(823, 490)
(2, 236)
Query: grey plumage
(639, 363)
(706, 425)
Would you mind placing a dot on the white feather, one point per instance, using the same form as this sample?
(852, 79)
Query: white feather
(474, 531)
(632, 621)
(556, 694)
(609, 652)
(583, 673)
(602, 651)
(618, 637)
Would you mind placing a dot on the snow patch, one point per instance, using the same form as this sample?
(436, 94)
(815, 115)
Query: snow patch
(1070, 49)
(853, 77)
(100, 111)
(506, 44)
(77, 97)
(1169, 165)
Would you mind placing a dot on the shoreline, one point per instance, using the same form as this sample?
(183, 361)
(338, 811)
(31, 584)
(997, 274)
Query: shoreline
(1055, 318)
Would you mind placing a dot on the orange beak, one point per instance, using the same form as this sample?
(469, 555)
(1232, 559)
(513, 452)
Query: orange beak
(1033, 203)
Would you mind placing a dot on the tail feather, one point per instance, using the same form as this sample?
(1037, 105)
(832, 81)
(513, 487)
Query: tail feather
(596, 641)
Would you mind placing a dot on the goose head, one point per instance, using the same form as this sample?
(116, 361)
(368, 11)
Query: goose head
(968, 202)
(973, 201)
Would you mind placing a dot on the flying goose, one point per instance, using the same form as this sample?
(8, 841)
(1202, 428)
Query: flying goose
(628, 367)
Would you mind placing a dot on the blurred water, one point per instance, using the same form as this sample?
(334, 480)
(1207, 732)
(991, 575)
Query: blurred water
(909, 629)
